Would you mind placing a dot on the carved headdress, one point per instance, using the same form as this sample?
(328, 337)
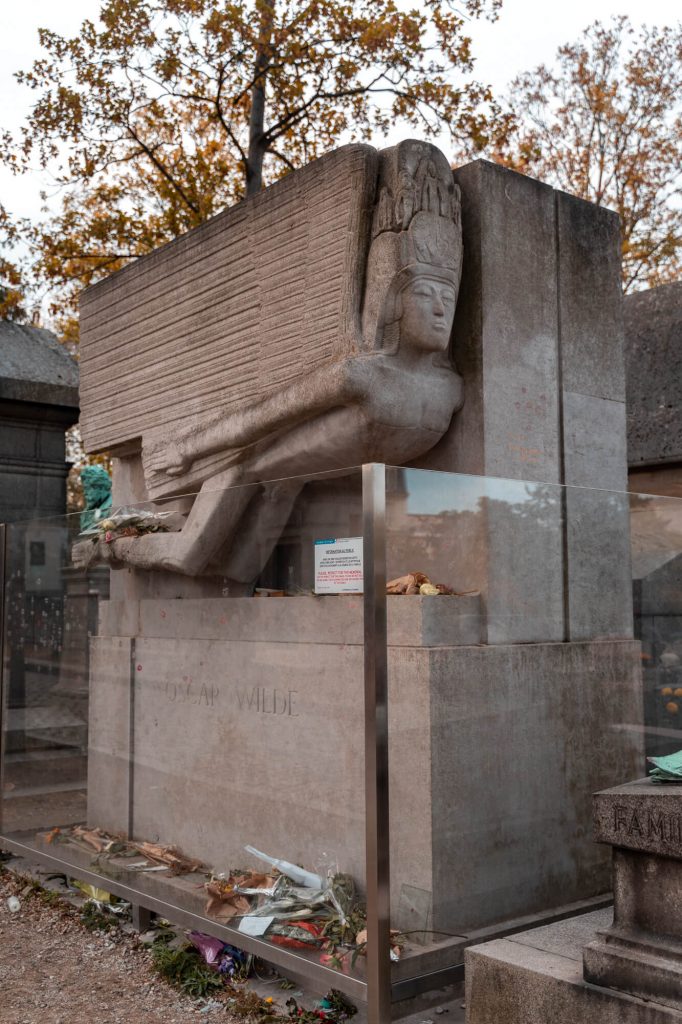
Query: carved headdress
(416, 231)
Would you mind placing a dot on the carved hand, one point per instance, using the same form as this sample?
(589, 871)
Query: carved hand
(83, 553)
(92, 551)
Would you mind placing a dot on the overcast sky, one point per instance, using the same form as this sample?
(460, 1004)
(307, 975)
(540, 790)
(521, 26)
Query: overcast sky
(526, 34)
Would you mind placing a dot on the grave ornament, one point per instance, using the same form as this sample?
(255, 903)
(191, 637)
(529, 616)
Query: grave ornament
(96, 494)
(388, 393)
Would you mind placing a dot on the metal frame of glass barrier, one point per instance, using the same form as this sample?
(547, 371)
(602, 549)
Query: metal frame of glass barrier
(377, 990)
(3, 539)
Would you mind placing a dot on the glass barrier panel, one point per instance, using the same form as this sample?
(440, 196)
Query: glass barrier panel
(182, 715)
(656, 532)
(535, 657)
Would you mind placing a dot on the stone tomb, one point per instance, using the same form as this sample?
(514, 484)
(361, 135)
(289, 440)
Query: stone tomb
(218, 721)
(641, 952)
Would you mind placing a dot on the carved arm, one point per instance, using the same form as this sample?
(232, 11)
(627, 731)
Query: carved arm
(328, 387)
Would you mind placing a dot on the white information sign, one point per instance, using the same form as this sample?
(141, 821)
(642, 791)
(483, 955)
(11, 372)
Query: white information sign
(338, 566)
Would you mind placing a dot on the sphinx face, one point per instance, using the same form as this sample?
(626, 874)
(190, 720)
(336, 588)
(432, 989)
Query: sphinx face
(428, 310)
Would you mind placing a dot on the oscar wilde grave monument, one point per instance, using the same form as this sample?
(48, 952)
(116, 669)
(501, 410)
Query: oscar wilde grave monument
(372, 306)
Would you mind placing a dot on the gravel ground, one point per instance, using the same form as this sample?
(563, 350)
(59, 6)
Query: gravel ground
(54, 971)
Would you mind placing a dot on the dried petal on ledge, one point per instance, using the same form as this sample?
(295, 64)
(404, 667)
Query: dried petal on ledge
(408, 584)
(400, 585)
(420, 577)
(443, 588)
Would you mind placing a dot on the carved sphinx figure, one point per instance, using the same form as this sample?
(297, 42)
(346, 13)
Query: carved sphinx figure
(388, 400)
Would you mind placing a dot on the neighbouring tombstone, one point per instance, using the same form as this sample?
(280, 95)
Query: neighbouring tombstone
(653, 359)
(641, 952)
(617, 964)
(38, 403)
(244, 352)
(653, 349)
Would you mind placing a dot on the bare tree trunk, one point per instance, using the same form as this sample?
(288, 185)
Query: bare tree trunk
(257, 141)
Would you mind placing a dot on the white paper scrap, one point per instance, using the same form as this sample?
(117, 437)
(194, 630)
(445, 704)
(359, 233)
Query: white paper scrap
(252, 925)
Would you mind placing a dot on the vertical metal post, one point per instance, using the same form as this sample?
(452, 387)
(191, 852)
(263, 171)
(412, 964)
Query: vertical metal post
(141, 917)
(3, 692)
(377, 846)
(131, 741)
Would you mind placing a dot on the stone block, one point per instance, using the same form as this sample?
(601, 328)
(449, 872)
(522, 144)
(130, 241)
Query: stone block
(524, 596)
(518, 740)
(268, 695)
(590, 299)
(32, 459)
(653, 347)
(594, 442)
(36, 368)
(111, 743)
(257, 296)
(644, 970)
(412, 621)
(505, 339)
(641, 952)
(535, 977)
(598, 567)
(640, 816)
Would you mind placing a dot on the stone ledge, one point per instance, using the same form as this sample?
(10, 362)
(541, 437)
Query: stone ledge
(642, 968)
(412, 621)
(640, 816)
(535, 977)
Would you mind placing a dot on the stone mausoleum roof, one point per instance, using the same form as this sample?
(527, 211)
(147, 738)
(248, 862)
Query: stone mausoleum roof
(653, 361)
(34, 367)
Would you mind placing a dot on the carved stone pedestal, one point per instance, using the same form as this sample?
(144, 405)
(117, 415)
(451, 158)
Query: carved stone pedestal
(220, 722)
(641, 953)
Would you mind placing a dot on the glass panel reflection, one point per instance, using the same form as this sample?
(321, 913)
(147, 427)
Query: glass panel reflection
(518, 686)
(177, 735)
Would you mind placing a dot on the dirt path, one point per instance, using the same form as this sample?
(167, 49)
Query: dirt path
(54, 971)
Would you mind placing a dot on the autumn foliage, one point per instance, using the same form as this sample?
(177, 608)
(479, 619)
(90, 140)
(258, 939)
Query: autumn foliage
(12, 304)
(165, 111)
(606, 124)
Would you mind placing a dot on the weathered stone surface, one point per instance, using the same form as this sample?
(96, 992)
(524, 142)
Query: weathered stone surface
(599, 573)
(34, 367)
(524, 726)
(38, 402)
(641, 952)
(642, 969)
(593, 418)
(653, 350)
(226, 310)
(642, 816)
(525, 563)
(378, 390)
(412, 622)
(590, 300)
(110, 757)
(283, 721)
(647, 893)
(538, 341)
(536, 977)
(506, 331)
(594, 442)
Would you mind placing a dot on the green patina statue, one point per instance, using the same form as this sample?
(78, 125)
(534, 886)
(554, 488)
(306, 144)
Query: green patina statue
(97, 493)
